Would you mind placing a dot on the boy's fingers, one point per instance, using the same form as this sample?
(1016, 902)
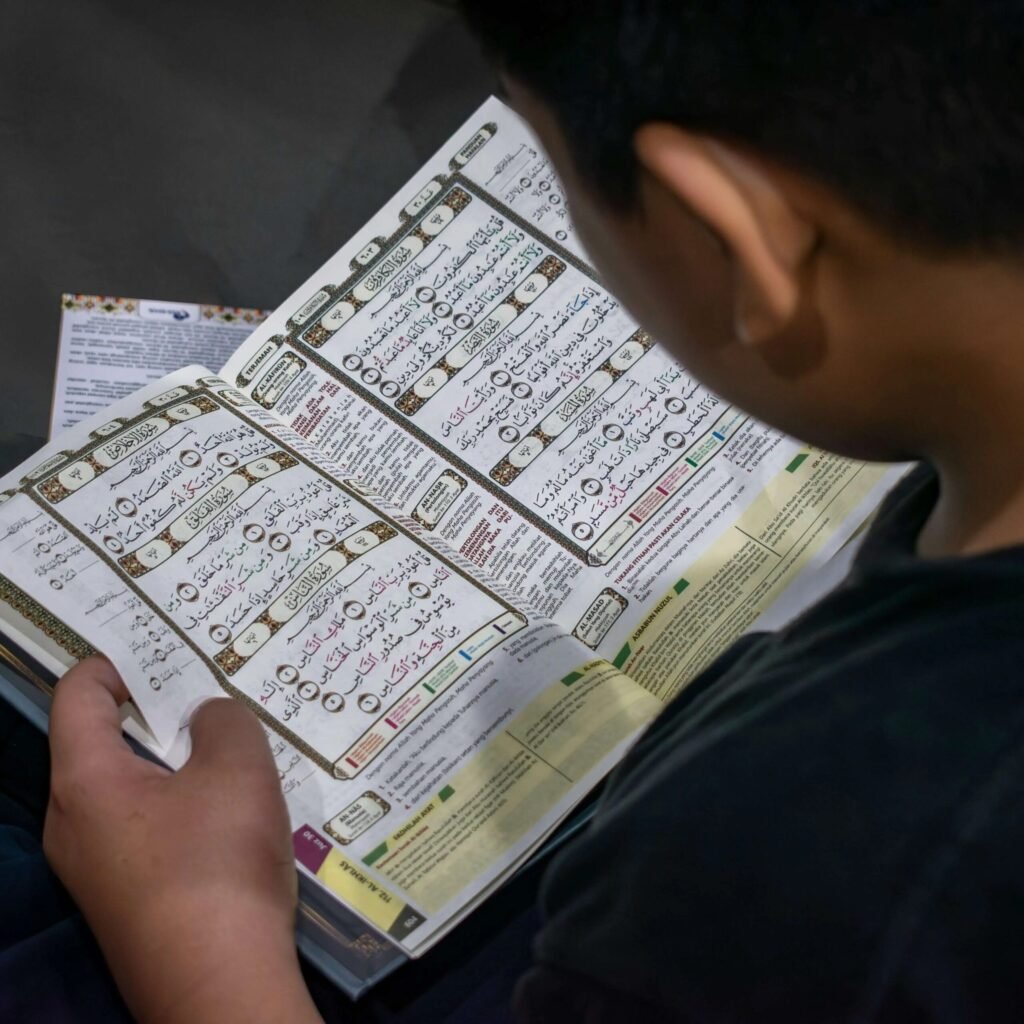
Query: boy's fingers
(85, 723)
(226, 735)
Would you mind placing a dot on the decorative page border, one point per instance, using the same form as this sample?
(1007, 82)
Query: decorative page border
(31, 486)
(114, 305)
(56, 629)
(299, 324)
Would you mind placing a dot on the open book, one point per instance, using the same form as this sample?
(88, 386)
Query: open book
(447, 521)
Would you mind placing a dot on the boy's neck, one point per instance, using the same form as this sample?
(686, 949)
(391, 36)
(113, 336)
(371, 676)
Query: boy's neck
(976, 513)
(978, 423)
(940, 345)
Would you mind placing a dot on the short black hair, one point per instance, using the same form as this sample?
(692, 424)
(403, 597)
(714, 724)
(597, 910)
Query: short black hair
(912, 111)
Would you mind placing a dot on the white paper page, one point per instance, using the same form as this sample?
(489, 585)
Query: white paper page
(461, 356)
(428, 730)
(111, 346)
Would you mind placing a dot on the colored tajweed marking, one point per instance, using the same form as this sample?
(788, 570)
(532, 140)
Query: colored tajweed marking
(355, 764)
(715, 433)
(392, 724)
(429, 688)
(468, 657)
(691, 462)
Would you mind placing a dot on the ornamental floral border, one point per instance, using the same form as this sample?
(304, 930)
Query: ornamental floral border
(115, 305)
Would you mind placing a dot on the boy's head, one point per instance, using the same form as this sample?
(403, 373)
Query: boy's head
(818, 205)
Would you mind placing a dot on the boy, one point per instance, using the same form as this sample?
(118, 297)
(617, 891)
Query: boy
(819, 207)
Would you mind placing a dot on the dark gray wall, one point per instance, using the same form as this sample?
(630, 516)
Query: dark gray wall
(202, 150)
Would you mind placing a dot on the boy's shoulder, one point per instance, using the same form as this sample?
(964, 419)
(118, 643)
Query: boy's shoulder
(839, 777)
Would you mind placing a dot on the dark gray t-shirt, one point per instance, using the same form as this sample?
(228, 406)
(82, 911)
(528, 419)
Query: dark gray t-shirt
(827, 825)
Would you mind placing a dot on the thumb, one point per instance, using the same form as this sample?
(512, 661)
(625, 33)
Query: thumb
(85, 724)
(227, 737)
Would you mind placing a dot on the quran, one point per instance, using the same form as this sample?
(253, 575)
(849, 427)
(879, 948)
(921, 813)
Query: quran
(448, 521)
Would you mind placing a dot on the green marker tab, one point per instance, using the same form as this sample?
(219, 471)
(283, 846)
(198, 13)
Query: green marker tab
(446, 794)
(797, 462)
(681, 586)
(623, 656)
(571, 678)
(375, 854)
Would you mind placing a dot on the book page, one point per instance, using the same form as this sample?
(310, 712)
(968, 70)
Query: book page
(462, 356)
(429, 728)
(111, 346)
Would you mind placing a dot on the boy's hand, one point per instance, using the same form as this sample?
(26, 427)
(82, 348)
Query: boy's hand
(187, 879)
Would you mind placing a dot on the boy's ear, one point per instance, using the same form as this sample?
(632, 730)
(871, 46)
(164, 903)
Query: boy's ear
(744, 207)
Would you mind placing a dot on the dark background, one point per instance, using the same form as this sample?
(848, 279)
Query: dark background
(202, 150)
